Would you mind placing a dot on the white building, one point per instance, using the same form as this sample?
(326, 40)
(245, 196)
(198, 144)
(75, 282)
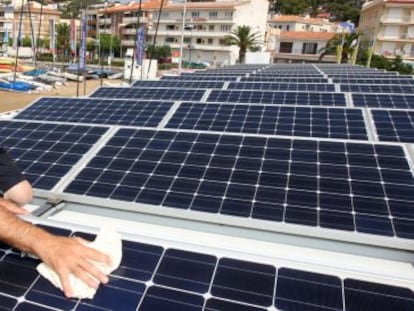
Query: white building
(301, 23)
(207, 23)
(388, 27)
(205, 26)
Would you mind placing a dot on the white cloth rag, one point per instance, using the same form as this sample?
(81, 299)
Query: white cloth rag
(109, 242)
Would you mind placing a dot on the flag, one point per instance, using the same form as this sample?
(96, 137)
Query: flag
(348, 25)
(52, 43)
(82, 49)
(139, 49)
(73, 37)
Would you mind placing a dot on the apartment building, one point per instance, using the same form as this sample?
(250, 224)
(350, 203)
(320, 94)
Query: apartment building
(301, 23)
(388, 27)
(6, 22)
(299, 38)
(205, 25)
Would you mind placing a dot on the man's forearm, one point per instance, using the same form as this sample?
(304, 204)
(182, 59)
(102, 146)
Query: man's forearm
(19, 233)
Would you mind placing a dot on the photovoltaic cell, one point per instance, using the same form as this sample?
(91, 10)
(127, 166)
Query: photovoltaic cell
(389, 101)
(149, 94)
(278, 86)
(281, 98)
(45, 152)
(345, 186)
(97, 111)
(394, 125)
(377, 88)
(272, 120)
(180, 84)
(151, 278)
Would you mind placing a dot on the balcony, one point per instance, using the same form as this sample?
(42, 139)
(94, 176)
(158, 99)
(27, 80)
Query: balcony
(105, 21)
(129, 31)
(394, 21)
(134, 19)
(397, 37)
(92, 22)
(128, 43)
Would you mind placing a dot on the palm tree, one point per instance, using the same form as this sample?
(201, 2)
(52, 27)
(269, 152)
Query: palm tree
(244, 38)
(348, 41)
(63, 38)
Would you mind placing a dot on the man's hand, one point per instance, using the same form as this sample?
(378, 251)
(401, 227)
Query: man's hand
(63, 254)
(71, 256)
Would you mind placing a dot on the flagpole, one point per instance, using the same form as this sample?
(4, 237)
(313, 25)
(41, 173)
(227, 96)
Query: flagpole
(18, 39)
(180, 64)
(135, 42)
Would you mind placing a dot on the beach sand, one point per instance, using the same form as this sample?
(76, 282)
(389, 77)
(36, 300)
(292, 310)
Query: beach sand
(10, 101)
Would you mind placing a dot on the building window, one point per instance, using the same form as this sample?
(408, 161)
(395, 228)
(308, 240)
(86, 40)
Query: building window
(222, 42)
(309, 48)
(225, 28)
(165, 14)
(195, 14)
(285, 47)
(169, 40)
(211, 28)
(213, 15)
(287, 27)
(228, 13)
(200, 41)
(210, 41)
(170, 27)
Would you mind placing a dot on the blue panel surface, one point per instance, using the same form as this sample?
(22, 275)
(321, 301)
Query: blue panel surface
(97, 111)
(394, 125)
(281, 98)
(46, 152)
(378, 88)
(227, 284)
(336, 185)
(271, 120)
(279, 86)
(148, 94)
(179, 84)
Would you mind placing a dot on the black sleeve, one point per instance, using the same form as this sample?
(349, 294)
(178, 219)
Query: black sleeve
(10, 175)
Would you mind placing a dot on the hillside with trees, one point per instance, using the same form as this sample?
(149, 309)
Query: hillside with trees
(340, 10)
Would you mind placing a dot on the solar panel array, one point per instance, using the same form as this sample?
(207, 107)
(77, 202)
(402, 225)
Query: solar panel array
(45, 152)
(97, 111)
(271, 120)
(154, 278)
(308, 158)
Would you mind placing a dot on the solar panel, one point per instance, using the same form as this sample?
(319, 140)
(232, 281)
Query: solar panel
(373, 80)
(281, 98)
(97, 111)
(301, 87)
(149, 94)
(180, 84)
(394, 125)
(46, 152)
(271, 120)
(254, 78)
(377, 88)
(198, 78)
(153, 278)
(389, 101)
(337, 185)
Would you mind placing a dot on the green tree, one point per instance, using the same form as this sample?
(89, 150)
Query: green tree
(63, 39)
(244, 38)
(158, 52)
(347, 41)
(26, 41)
(109, 42)
(291, 7)
(74, 7)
